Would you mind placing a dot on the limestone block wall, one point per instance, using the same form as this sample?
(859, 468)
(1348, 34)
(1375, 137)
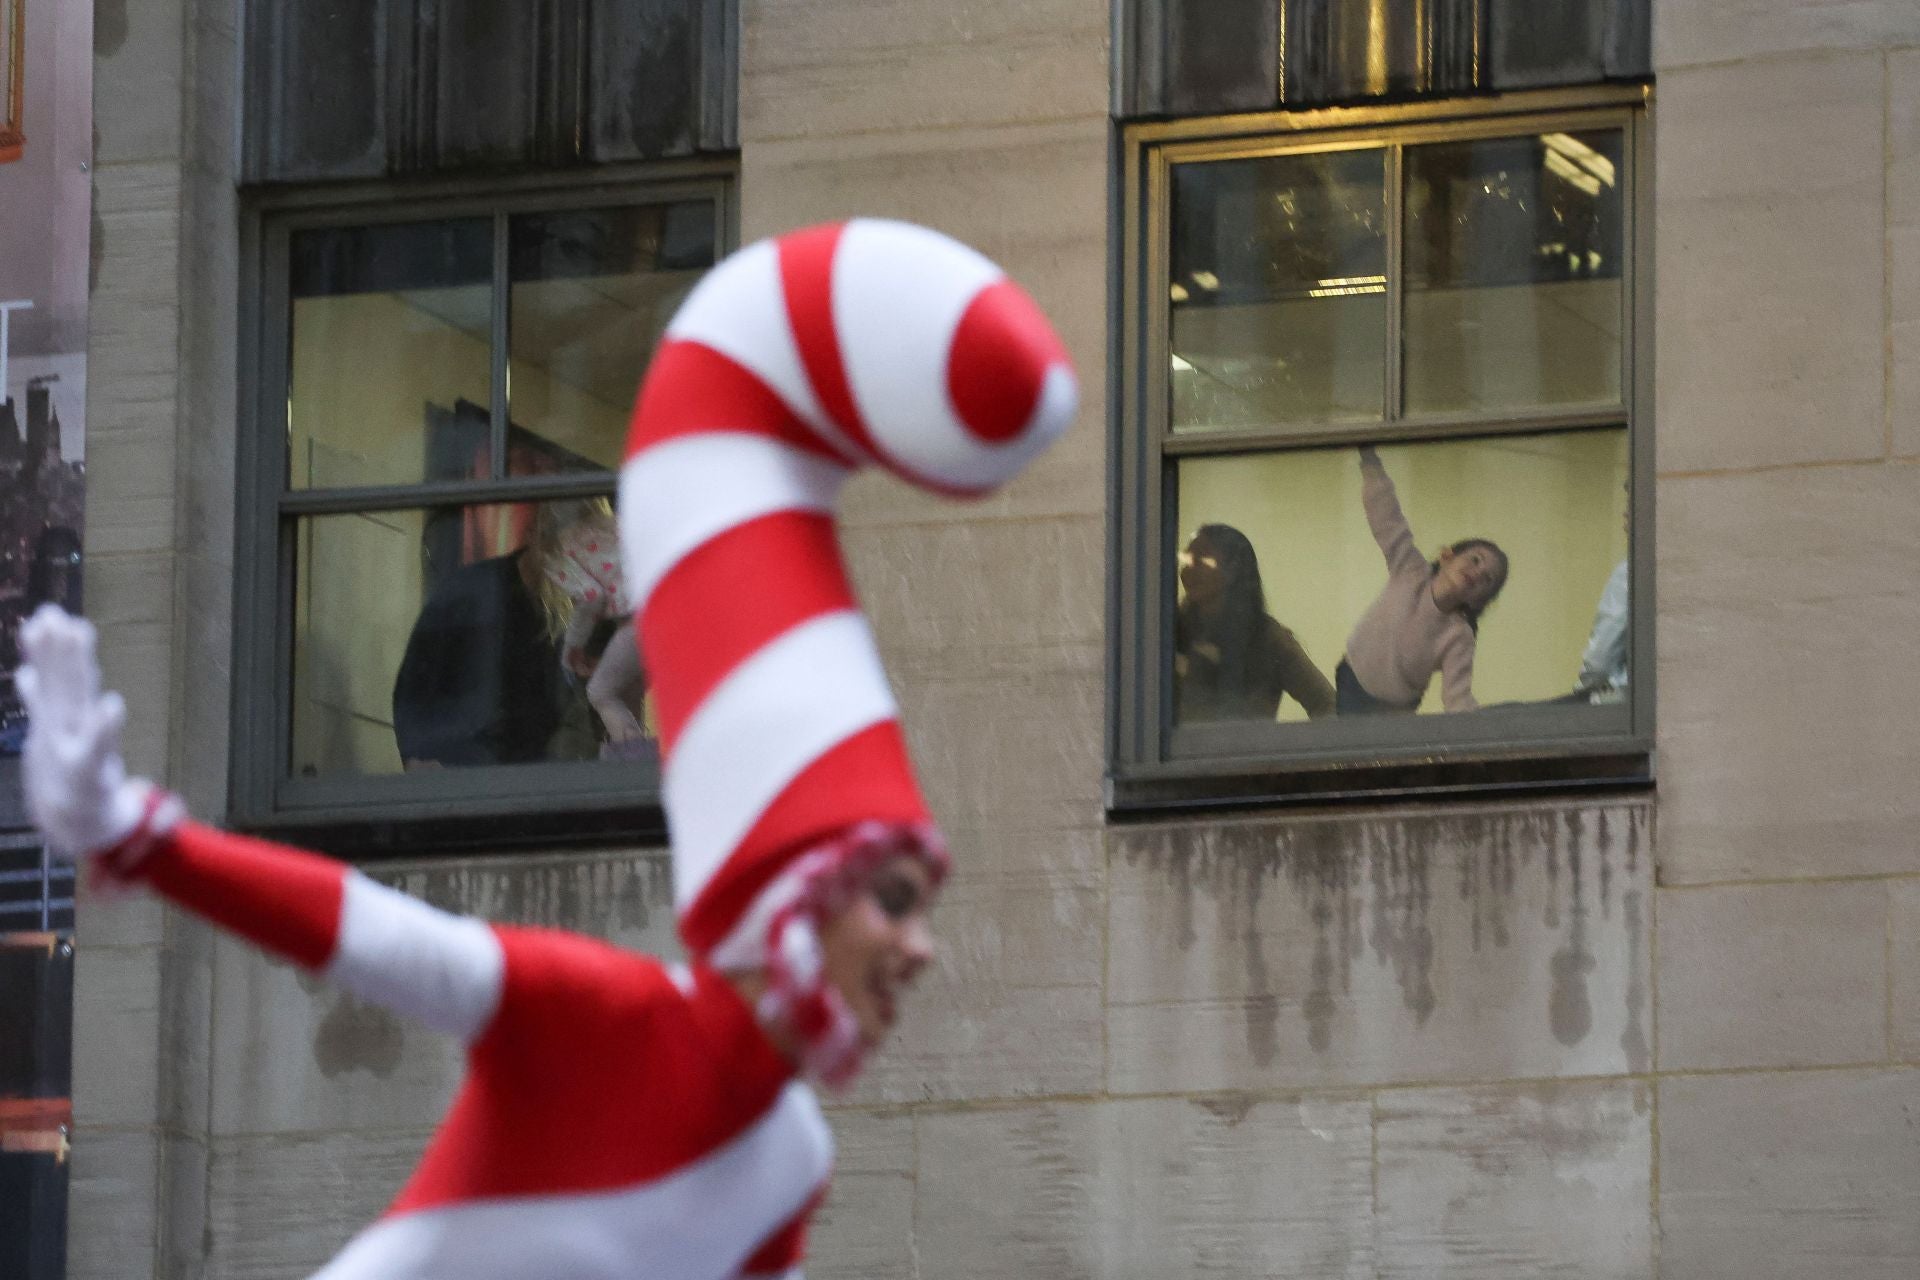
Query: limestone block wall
(1672, 1034)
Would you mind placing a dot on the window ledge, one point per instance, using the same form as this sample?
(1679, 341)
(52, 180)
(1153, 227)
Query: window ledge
(1168, 791)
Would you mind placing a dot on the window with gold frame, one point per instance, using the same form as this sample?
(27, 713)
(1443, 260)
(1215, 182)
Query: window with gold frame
(1384, 450)
(13, 68)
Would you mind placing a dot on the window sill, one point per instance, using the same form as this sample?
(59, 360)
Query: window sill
(1177, 789)
(373, 838)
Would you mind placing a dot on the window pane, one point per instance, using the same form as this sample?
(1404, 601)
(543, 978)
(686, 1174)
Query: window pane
(592, 290)
(1278, 290)
(389, 355)
(496, 635)
(1513, 261)
(1307, 582)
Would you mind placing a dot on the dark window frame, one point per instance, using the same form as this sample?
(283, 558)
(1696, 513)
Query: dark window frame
(491, 807)
(1153, 767)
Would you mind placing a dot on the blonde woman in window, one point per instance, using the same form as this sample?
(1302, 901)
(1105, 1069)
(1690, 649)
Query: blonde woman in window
(1427, 617)
(578, 547)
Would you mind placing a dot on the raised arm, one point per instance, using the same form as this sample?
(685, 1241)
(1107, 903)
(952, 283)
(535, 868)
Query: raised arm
(380, 945)
(1384, 516)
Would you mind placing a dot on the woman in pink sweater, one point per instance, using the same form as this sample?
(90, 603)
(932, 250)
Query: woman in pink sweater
(1424, 620)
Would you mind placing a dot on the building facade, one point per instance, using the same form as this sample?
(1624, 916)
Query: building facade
(1659, 1021)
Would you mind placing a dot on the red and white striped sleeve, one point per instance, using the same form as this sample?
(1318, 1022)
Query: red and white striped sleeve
(442, 970)
(779, 1258)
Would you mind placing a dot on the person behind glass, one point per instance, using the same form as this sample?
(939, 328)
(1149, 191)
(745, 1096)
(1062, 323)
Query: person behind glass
(1603, 666)
(480, 683)
(579, 554)
(1232, 659)
(1426, 619)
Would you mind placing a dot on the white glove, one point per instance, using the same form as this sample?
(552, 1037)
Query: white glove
(77, 789)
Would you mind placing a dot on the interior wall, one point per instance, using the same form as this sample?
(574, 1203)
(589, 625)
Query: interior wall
(1555, 504)
(368, 367)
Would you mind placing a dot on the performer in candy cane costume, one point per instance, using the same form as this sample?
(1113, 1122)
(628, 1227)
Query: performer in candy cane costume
(620, 1118)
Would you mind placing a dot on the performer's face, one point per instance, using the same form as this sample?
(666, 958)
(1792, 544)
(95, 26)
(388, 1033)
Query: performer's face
(878, 944)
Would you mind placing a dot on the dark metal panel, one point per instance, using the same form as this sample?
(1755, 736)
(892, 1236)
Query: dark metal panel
(345, 89)
(1629, 48)
(1221, 56)
(643, 78)
(1208, 57)
(1534, 43)
(1349, 50)
(317, 89)
(720, 76)
(474, 67)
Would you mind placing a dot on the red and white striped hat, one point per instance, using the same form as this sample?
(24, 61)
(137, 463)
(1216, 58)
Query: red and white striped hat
(794, 362)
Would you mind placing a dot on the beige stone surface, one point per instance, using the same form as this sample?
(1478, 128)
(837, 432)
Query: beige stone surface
(291, 1054)
(963, 598)
(281, 1205)
(1155, 1188)
(1789, 720)
(116, 1035)
(130, 495)
(1017, 750)
(138, 71)
(1453, 945)
(845, 66)
(1780, 1177)
(1012, 1005)
(133, 324)
(113, 1197)
(130, 599)
(181, 1246)
(1515, 1181)
(1903, 1009)
(1770, 289)
(1903, 244)
(1701, 31)
(864, 1231)
(1772, 975)
(119, 919)
(186, 1028)
(1033, 198)
(203, 697)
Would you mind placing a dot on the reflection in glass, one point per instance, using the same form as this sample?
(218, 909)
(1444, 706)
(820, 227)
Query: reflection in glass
(1370, 565)
(1278, 290)
(390, 331)
(499, 635)
(592, 291)
(1513, 268)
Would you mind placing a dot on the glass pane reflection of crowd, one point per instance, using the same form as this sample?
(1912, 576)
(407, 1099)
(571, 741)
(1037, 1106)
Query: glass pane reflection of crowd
(1234, 660)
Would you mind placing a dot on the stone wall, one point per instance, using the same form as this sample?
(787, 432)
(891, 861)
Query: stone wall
(1624, 1037)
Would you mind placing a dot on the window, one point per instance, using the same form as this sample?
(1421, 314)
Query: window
(431, 629)
(1384, 449)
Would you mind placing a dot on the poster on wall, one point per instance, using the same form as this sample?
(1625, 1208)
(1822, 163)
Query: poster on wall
(46, 142)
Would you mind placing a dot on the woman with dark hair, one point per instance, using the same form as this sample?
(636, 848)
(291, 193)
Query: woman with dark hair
(1427, 617)
(1232, 660)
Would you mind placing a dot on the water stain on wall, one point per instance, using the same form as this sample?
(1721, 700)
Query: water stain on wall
(358, 1037)
(1368, 886)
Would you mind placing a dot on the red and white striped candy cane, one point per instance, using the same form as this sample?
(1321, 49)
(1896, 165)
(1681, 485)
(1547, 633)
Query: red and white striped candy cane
(794, 362)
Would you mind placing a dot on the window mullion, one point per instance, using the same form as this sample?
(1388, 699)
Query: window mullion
(1395, 405)
(501, 356)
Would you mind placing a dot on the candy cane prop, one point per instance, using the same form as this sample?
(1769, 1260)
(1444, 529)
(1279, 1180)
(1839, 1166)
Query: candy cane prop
(796, 361)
